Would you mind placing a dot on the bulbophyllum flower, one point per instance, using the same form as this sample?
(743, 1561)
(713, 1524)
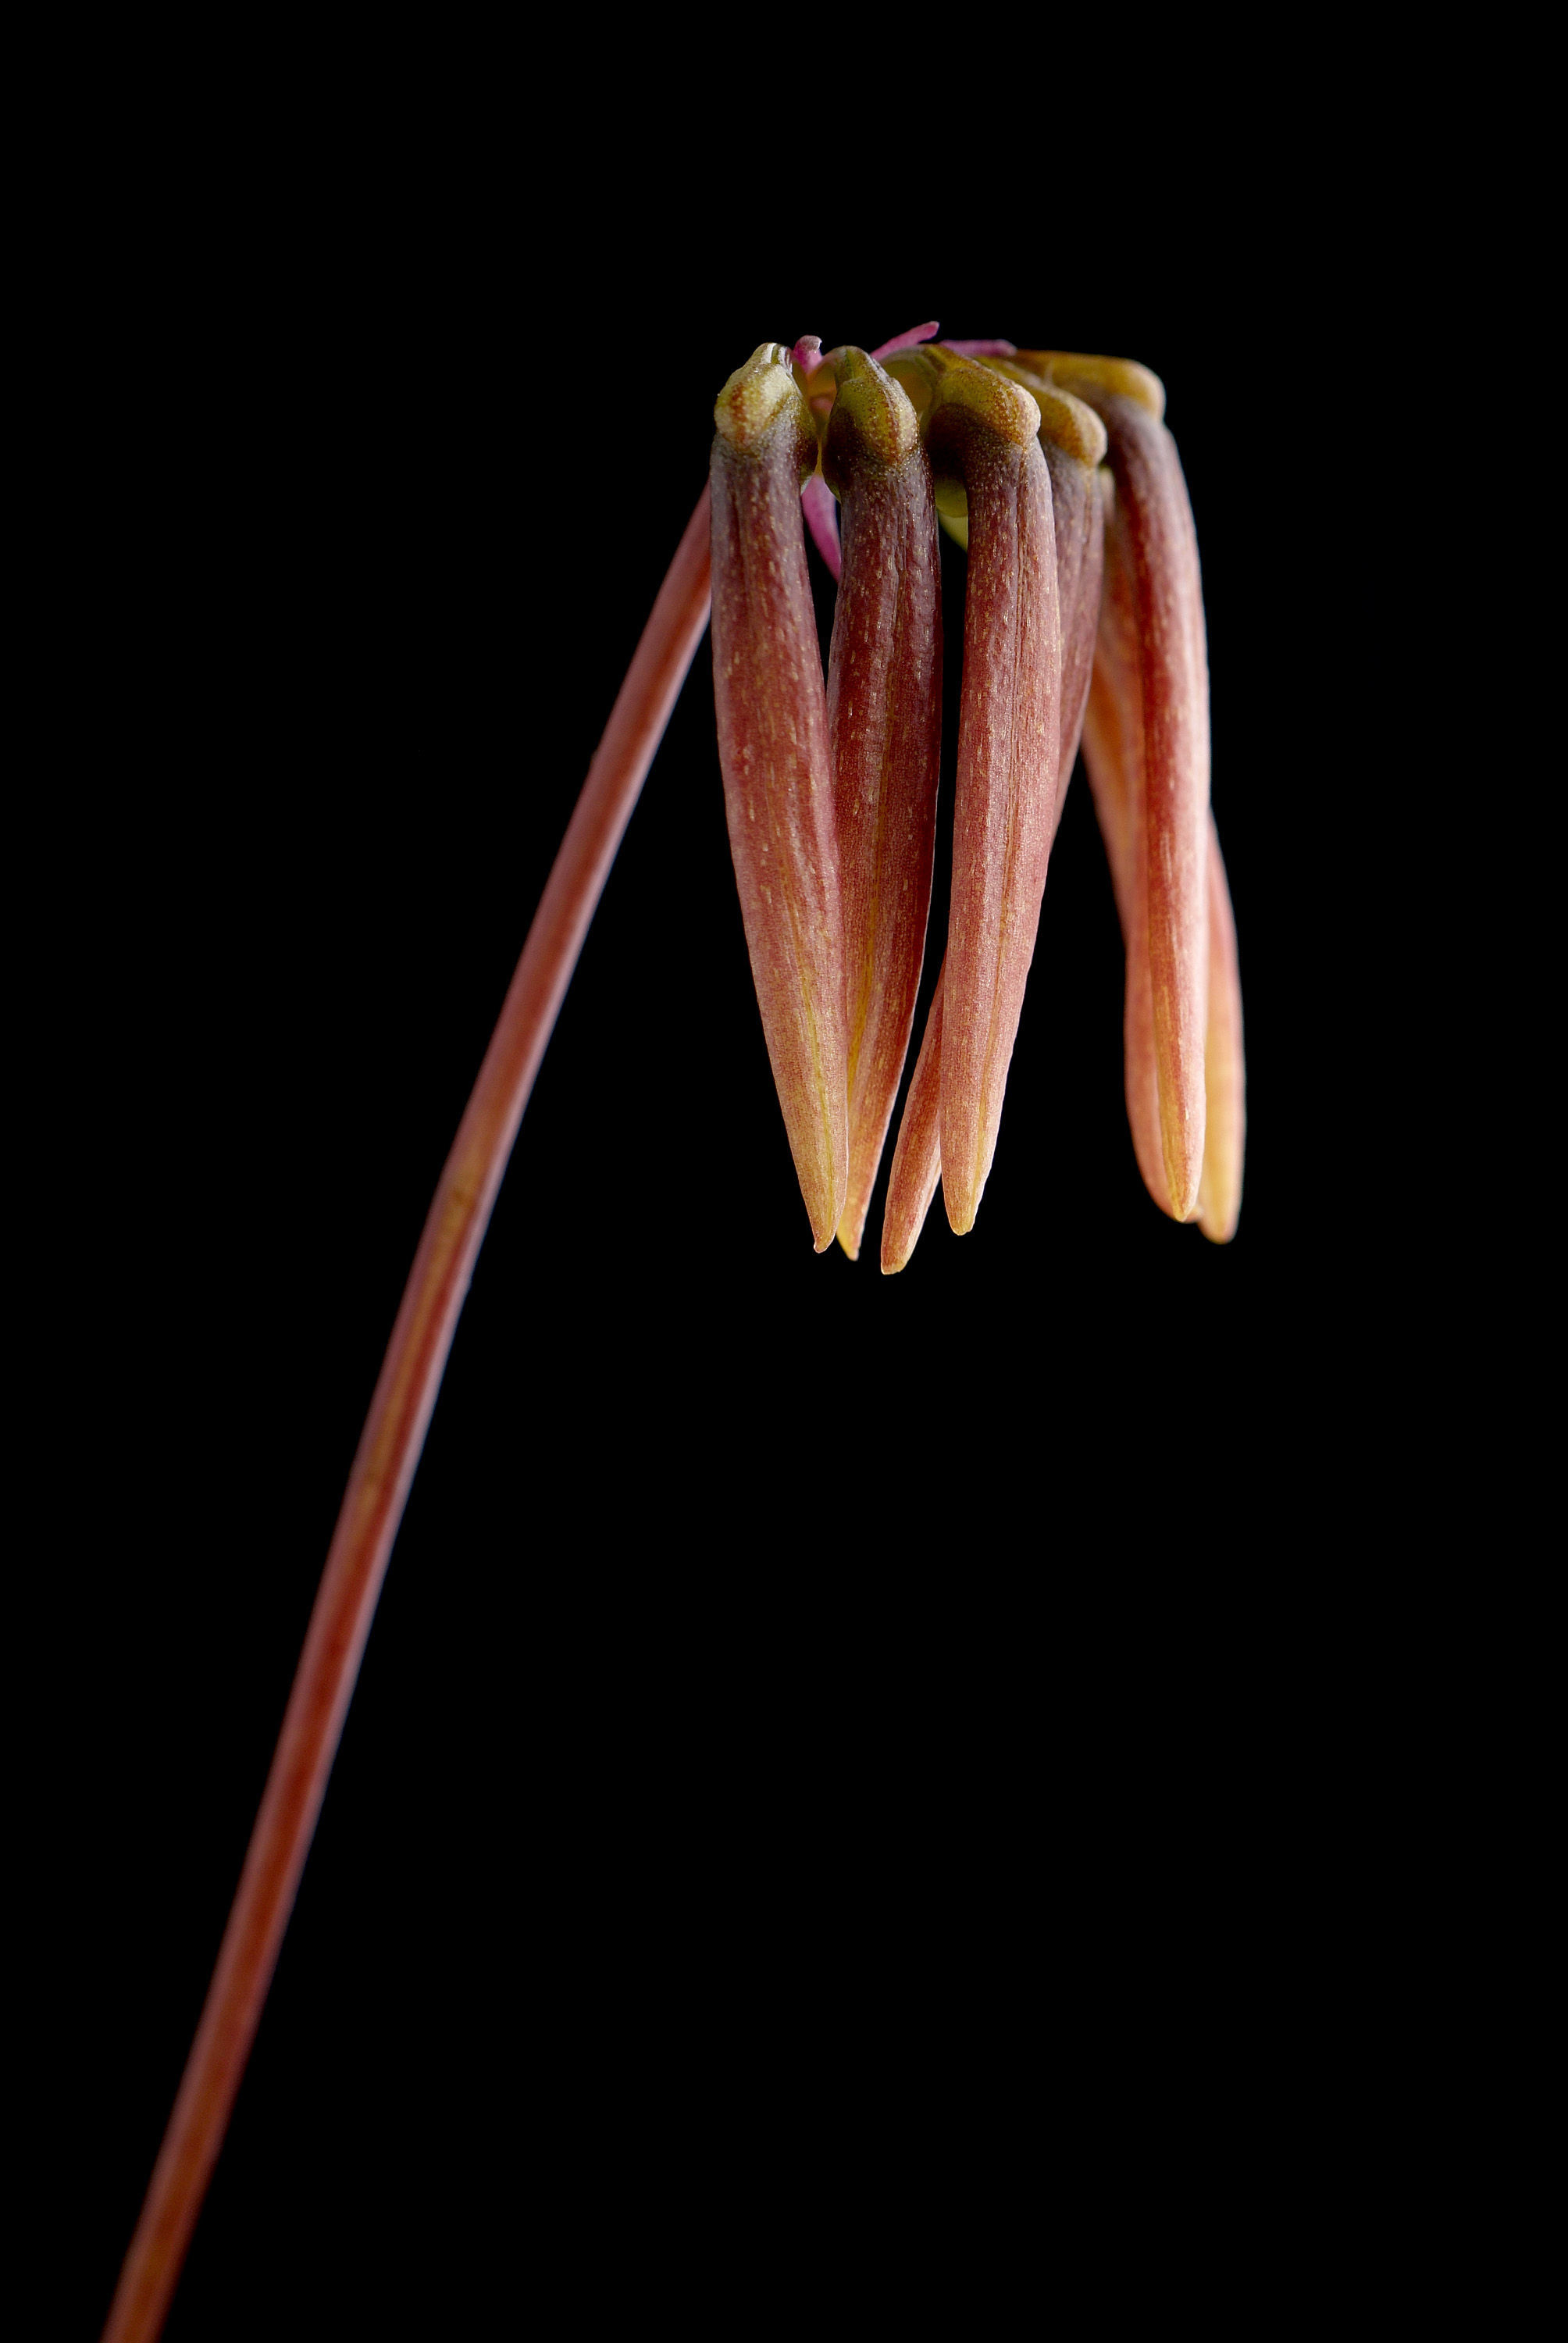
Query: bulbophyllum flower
(1083, 617)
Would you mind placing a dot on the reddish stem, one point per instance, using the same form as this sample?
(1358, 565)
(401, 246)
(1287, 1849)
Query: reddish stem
(390, 1444)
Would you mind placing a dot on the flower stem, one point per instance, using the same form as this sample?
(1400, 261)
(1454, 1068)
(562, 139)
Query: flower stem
(393, 1437)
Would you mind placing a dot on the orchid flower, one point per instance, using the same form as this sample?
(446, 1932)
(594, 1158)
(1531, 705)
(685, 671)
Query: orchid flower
(1083, 622)
(1083, 617)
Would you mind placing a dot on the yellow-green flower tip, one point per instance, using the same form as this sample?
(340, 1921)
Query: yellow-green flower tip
(957, 395)
(936, 378)
(1064, 420)
(872, 419)
(963, 388)
(752, 401)
(1120, 378)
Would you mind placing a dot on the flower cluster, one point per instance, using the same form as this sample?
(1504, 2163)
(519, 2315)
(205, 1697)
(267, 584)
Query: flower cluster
(1083, 621)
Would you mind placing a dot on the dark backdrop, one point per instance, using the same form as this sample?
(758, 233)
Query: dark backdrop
(792, 1685)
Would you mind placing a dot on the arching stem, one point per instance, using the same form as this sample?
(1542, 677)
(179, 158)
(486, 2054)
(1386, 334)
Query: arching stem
(393, 1437)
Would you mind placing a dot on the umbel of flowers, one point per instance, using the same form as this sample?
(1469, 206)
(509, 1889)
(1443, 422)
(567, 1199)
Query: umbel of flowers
(1083, 622)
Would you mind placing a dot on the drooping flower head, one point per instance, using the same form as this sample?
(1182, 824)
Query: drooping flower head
(1083, 618)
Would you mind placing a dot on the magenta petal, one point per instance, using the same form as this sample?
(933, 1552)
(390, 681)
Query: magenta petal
(822, 520)
(917, 334)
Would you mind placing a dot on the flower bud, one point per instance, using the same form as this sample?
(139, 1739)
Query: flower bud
(1072, 440)
(981, 434)
(773, 750)
(884, 722)
(1155, 524)
(1113, 754)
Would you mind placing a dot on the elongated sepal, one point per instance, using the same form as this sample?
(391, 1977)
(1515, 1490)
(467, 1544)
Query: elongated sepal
(884, 721)
(1073, 440)
(1224, 1065)
(1113, 756)
(981, 432)
(918, 1156)
(1079, 515)
(773, 750)
(1155, 522)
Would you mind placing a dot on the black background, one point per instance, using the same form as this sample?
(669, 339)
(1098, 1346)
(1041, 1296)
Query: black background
(794, 1689)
